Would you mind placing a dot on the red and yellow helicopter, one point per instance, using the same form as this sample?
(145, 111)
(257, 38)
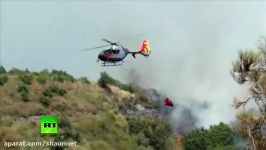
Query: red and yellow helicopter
(117, 53)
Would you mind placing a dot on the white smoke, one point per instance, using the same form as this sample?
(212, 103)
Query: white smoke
(193, 44)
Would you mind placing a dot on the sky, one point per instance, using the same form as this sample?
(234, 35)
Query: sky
(193, 44)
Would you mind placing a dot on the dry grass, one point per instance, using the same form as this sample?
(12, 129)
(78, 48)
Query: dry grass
(7, 134)
(91, 110)
(121, 93)
(22, 109)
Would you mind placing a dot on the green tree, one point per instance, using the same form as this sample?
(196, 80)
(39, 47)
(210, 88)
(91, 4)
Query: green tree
(156, 132)
(105, 79)
(197, 139)
(15, 71)
(202, 139)
(221, 134)
(2, 69)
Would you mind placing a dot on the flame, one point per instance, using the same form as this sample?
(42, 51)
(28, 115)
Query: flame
(178, 142)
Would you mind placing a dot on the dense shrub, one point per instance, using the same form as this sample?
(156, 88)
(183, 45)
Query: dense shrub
(22, 88)
(156, 132)
(75, 135)
(142, 97)
(3, 79)
(136, 125)
(45, 100)
(67, 131)
(2, 69)
(221, 134)
(61, 92)
(24, 96)
(47, 93)
(85, 80)
(45, 71)
(105, 79)
(54, 89)
(58, 78)
(128, 87)
(41, 78)
(141, 139)
(16, 71)
(69, 78)
(61, 76)
(27, 70)
(58, 139)
(35, 73)
(202, 139)
(65, 123)
(60, 107)
(26, 78)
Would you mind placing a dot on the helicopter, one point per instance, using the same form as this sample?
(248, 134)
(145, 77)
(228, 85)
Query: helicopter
(117, 53)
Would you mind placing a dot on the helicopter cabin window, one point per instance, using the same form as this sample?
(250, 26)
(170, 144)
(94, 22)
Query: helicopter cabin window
(115, 51)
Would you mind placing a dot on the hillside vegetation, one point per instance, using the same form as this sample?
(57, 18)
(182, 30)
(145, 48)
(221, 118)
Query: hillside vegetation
(89, 113)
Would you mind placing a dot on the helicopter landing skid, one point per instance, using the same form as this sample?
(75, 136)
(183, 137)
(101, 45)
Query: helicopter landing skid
(111, 64)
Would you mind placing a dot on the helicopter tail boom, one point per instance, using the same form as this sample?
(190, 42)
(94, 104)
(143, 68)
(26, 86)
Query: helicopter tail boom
(139, 52)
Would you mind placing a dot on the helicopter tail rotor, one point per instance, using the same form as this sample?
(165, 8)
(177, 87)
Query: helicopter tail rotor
(144, 50)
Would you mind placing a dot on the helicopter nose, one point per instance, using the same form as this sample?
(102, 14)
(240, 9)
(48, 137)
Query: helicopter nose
(101, 57)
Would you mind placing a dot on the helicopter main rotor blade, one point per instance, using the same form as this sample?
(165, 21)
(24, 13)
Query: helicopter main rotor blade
(95, 47)
(112, 43)
(107, 41)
